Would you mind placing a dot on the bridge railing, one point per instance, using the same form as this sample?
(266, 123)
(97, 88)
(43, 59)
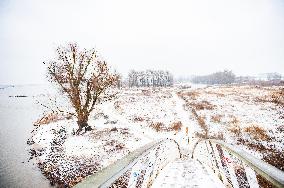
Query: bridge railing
(235, 167)
(138, 169)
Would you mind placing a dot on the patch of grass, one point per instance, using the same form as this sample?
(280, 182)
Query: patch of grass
(215, 93)
(192, 94)
(276, 97)
(257, 132)
(202, 105)
(216, 118)
(158, 126)
(234, 119)
(201, 123)
(51, 117)
(270, 154)
(235, 129)
(176, 126)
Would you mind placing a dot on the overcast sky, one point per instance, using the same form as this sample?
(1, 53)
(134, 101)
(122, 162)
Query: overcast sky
(186, 37)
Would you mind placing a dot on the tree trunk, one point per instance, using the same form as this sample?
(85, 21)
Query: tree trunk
(83, 125)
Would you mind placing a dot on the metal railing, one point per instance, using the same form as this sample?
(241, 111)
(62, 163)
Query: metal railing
(138, 169)
(235, 167)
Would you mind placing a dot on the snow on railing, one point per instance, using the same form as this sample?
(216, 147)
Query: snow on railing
(138, 169)
(235, 167)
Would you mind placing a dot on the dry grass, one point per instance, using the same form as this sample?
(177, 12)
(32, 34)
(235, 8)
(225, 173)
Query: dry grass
(235, 129)
(216, 118)
(276, 97)
(270, 153)
(201, 123)
(215, 93)
(256, 132)
(176, 126)
(202, 105)
(158, 126)
(193, 95)
(51, 117)
(233, 119)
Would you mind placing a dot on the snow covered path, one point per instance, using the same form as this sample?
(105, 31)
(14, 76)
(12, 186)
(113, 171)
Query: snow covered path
(185, 173)
(187, 121)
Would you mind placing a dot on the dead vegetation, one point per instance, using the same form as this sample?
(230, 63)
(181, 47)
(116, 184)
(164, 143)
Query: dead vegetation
(159, 126)
(193, 95)
(256, 132)
(276, 97)
(234, 119)
(216, 118)
(270, 153)
(201, 123)
(235, 129)
(51, 117)
(202, 105)
(215, 93)
(176, 126)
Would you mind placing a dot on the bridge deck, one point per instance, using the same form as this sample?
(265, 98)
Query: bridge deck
(186, 173)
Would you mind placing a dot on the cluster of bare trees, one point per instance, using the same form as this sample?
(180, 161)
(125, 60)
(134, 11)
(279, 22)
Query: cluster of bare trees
(224, 77)
(83, 78)
(149, 78)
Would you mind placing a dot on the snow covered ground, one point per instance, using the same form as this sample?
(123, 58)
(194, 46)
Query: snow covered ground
(245, 115)
(250, 116)
(186, 173)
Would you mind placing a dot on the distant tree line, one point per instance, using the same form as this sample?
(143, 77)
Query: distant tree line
(222, 77)
(150, 78)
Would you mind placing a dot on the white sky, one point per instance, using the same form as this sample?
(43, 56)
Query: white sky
(183, 36)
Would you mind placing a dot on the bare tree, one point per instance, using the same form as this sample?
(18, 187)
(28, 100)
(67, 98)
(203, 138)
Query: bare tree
(82, 77)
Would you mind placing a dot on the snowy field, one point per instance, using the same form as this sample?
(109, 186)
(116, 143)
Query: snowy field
(249, 116)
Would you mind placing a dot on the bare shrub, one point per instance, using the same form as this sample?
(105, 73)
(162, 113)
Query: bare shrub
(158, 126)
(216, 118)
(256, 132)
(176, 126)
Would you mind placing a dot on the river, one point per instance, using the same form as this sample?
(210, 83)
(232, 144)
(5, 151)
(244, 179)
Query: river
(17, 115)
